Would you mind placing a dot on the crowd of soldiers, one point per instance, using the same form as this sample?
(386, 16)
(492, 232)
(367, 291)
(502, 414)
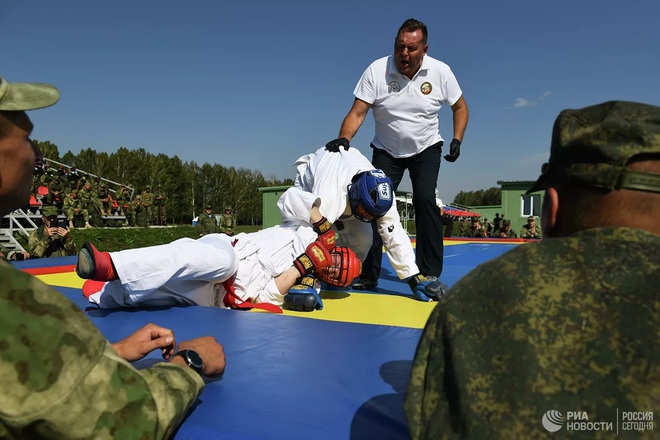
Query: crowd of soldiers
(476, 227)
(207, 223)
(87, 201)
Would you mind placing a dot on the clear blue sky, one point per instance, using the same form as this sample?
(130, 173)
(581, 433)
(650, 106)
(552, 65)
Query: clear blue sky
(256, 84)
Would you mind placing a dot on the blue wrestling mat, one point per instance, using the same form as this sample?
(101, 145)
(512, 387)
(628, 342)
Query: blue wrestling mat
(339, 373)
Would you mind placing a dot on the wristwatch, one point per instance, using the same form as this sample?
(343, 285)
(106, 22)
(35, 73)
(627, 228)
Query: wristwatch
(193, 359)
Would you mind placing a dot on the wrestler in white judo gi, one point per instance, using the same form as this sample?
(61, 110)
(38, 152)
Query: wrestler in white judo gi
(215, 270)
(337, 178)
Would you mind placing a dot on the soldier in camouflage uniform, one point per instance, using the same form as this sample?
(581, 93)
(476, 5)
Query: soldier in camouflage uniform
(227, 222)
(89, 199)
(74, 210)
(56, 192)
(206, 222)
(50, 240)
(505, 231)
(567, 323)
(73, 178)
(147, 204)
(531, 229)
(106, 200)
(475, 230)
(60, 378)
(125, 206)
(159, 206)
(139, 212)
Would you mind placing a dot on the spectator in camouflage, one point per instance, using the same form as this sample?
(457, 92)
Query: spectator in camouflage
(159, 207)
(227, 222)
(106, 199)
(89, 200)
(475, 230)
(505, 231)
(567, 323)
(60, 378)
(74, 210)
(531, 229)
(147, 204)
(51, 239)
(206, 222)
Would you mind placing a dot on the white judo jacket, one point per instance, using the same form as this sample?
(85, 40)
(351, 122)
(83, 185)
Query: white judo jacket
(322, 180)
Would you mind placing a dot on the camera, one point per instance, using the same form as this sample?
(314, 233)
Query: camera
(62, 223)
(19, 256)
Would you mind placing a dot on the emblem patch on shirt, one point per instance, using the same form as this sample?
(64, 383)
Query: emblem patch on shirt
(393, 87)
(426, 88)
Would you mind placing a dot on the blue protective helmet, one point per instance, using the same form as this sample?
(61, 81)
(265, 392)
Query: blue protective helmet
(370, 195)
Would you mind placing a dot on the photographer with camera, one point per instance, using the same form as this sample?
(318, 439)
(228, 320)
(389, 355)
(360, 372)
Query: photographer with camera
(6, 254)
(52, 238)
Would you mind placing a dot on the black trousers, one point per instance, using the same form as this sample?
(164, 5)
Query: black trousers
(423, 169)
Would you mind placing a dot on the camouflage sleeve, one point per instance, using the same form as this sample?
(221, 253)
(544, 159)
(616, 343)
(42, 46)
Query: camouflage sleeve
(37, 245)
(422, 396)
(524, 233)
(62, 379)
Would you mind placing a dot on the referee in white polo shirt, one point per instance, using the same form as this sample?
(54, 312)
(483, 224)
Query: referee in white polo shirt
(406, 91)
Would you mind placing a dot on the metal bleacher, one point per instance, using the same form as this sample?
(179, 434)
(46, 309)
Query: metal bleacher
(23, 221)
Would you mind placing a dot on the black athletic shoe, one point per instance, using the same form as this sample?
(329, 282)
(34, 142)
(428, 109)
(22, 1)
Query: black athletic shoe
(364, 284)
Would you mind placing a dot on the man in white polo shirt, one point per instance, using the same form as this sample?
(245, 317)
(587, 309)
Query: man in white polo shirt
(406, 91)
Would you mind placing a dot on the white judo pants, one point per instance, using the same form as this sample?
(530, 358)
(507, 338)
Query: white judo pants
(190, 272)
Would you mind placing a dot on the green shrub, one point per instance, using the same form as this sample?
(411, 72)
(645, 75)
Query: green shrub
(117, 239)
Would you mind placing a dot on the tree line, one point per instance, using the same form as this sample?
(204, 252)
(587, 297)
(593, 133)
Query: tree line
(187, 186)
(482, 197)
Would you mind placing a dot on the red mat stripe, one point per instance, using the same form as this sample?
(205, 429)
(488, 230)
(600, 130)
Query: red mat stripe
(50, 270)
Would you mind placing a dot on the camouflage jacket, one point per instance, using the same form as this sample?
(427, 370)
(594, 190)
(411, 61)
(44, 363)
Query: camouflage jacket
(509, 234)
(526, 231)
(227, 224)
(87, 197)
(60, 378)
(147, 198)
(206, 224)
(42, 246)
(564, 324)
(71, 204)
(159, 198)
(475, 233)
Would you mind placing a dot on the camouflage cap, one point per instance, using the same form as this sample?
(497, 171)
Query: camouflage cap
(506, 222)
(207, 207)
(26, 96)
(531, 217)
(49, 211)
(593, 145)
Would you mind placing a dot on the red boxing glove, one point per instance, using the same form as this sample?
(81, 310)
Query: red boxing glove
(316, 257)
(326, 235)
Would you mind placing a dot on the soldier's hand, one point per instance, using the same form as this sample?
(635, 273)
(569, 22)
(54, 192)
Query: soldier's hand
(210, 351)
(144, 341)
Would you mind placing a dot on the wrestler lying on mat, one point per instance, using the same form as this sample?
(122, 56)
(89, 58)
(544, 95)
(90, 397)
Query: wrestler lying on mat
(281, 265)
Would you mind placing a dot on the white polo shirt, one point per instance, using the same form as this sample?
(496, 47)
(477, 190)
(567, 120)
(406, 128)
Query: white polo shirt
(406, 110)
